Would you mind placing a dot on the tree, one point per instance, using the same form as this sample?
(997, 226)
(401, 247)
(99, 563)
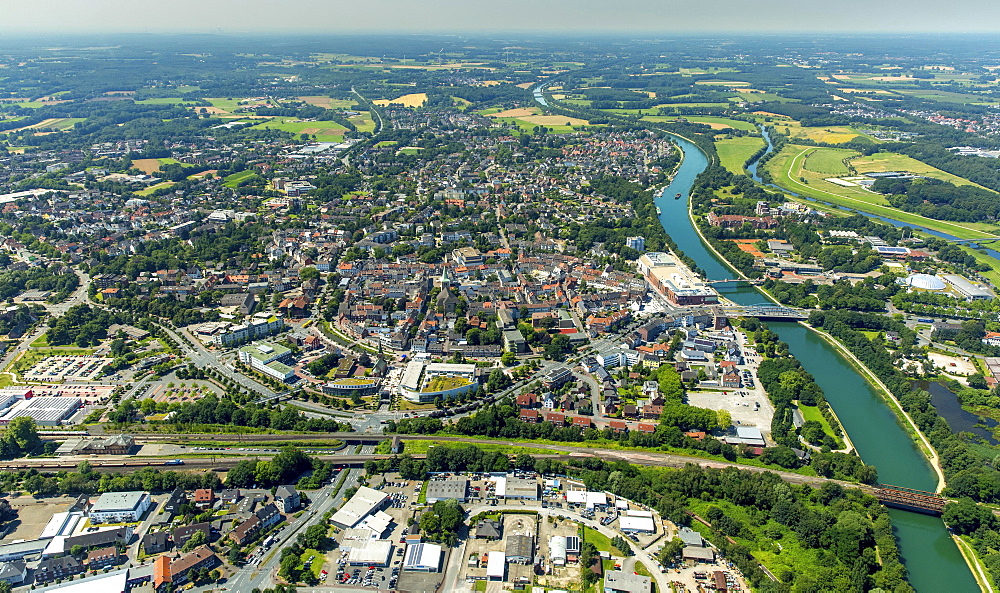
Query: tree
(197, 538)
(308, 273)
(508, 359)
(965, 516)
(23, 432)
(315, 537)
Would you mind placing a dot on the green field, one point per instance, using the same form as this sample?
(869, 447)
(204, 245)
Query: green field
(789, 171)
(324, 131)
(363, 122)
(765, 96)
(829, 161)
(600, 541)
(152, 188)
(814, 413)
(233, 180)
(166, 101)
(733, 152)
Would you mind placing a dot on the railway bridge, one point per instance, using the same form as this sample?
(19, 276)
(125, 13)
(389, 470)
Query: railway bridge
(909, 499)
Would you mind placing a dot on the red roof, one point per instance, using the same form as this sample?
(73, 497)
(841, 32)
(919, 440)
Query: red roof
(647, 427)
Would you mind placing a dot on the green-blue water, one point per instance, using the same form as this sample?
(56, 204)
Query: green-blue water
(932, 560)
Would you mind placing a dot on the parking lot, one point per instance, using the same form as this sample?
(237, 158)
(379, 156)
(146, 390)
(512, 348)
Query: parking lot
(67, 368)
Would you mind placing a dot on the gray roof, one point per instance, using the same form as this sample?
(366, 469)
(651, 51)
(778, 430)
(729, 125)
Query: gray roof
(117, 502)
(442, 489)
(520, 546)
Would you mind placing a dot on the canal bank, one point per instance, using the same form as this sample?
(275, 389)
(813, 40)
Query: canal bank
(932, 559)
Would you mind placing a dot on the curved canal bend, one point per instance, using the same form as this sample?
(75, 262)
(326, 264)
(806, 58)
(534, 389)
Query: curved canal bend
(932, 559)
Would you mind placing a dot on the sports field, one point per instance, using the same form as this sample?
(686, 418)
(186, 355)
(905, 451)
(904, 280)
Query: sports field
(733, 152)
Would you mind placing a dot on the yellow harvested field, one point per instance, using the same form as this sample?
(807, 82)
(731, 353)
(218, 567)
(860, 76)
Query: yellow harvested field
(558, 97)
(715, 125)
(212, 110)
(147, 166)
(525, 85)
(841, 77)
(518, 112)
(317, 101)
(411, 100)
(771, 114)
(554, 120)
(490, 83)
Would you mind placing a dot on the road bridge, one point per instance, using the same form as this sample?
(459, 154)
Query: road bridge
(766, 311)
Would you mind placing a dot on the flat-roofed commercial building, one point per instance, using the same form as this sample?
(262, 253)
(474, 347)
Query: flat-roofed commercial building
(364, 502)
(445, 489)
(496, 566)
(45, 410)
(423, 557)
(674, 281)
(424, 382)
(370, 552)
(619, 581)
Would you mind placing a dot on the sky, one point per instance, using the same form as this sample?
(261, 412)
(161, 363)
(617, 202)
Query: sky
(19, 17)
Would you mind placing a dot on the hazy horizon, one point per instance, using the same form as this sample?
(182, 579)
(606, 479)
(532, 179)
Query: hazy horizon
(41, 17)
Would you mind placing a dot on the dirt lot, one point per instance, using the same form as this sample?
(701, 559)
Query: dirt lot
(148, 166)
(33, 515)
(952, 365)
(740, 406)
(564, 577)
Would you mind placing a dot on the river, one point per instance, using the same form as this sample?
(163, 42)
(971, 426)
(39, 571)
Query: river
(932, 560)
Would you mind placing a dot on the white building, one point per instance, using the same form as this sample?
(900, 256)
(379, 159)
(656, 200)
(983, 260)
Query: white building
(120, 507)
(557, 550)
(637, 522)
(370, 552)
(423, 557)
(496, 566)
(423, 382)
(364, 502)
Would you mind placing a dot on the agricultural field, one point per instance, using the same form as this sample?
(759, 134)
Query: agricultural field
(328, 102)
(324, 131)
(150, 166)
(752, 95)
(733, 152)
(826, 134)
(363, 122)
(411, 100)
(57, 124)
(720, 123)
(166, 101)
(526, 118)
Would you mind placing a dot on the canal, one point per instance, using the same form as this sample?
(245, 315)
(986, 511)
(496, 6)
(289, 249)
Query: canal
(932, 560)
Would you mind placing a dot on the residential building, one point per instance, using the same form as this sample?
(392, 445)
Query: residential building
(120, 507)
(287, 499)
